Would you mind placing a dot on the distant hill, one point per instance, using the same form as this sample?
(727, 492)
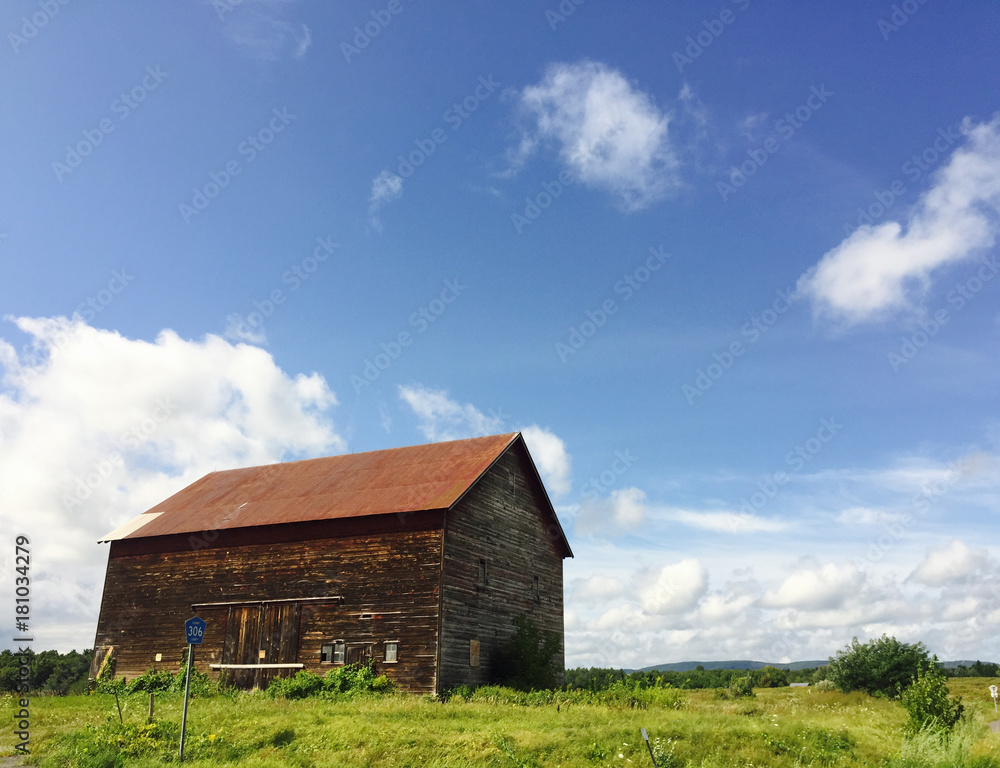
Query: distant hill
(687, 666)
(964, 663)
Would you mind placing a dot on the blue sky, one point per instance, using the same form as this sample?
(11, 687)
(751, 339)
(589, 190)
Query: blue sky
(729, 266)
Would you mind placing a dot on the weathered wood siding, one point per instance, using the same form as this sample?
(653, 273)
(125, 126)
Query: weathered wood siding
(502, 521)
(385, 569)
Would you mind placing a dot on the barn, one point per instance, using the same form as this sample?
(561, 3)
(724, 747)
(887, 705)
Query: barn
(416, 558)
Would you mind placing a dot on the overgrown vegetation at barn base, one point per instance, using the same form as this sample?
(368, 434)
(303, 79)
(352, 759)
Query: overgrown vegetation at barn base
(349, 680)
(528, 659)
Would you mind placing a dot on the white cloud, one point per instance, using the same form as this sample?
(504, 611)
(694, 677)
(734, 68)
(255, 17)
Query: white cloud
(882, 270)
(866, 516)
(549, 454)
(752, 126)
(96, 428)
(624, 508)
(955, 562)
(609, 135)
(724, 609)
(675, 588)
(441, 418)
(814, 587)
(598, 587)
(386, 187)
(725, 522)
(255, 28)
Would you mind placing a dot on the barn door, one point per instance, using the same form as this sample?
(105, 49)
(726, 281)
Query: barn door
(260, 634)
(279, 640)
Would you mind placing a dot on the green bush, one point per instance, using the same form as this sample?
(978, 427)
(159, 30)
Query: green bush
(300, 686)
(771, 677)
(927, 701)
(528, 659)
(348, 680)
(741, 687)
(881, 667)
(152, 682)
(201, 684)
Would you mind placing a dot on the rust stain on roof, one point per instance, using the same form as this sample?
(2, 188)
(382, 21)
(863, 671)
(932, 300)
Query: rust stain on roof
(393, 481)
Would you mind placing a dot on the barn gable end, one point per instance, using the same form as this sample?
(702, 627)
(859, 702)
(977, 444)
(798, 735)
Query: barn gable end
(503, 556)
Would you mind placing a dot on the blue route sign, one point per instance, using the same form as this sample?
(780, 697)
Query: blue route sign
(194, 628)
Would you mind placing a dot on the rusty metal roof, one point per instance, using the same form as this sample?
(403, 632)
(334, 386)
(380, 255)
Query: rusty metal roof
(393, 481)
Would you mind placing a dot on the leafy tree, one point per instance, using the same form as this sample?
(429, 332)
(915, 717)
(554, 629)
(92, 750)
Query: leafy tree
(771, 677)
(741, 687)
(527, 661)
(881, 667)
(979, 669)
(927, 701)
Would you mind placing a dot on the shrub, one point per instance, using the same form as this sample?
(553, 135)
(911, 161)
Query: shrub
(300, 686)
(201, 684)
(824, 685)
(527, 661)
(881, 667)
(927, 701)
(771, 677)
(741, 687)
(343, 681)
(152, 682)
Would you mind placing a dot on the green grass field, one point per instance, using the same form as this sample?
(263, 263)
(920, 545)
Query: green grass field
(779, 727)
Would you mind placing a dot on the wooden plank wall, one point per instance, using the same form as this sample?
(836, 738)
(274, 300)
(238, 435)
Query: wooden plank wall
(389, 581)
(501, 521)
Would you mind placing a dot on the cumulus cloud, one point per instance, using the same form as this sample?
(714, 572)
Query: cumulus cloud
(882, 270)
(386, 187)
(550, 456)
(623, 509)
(442, 418)
(674, 588)
(96, 428)
(954, 563)
(816, 587)
(598, 588)
(609, 134)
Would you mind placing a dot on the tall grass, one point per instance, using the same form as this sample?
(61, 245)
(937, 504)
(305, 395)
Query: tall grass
(500, 727)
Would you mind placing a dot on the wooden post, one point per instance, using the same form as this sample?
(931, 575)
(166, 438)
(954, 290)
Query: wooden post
(150, 706)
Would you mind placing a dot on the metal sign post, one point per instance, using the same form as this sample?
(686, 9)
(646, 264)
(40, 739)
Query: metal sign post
(646, 739)
(993, 693)
(194, 630)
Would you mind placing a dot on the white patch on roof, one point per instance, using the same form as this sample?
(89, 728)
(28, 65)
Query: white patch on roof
(130, 527)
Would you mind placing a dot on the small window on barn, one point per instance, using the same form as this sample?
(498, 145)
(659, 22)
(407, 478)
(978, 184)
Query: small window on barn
(473, 653)
(482, 572)
(536, 590)
(332, 653)
(391, 649)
